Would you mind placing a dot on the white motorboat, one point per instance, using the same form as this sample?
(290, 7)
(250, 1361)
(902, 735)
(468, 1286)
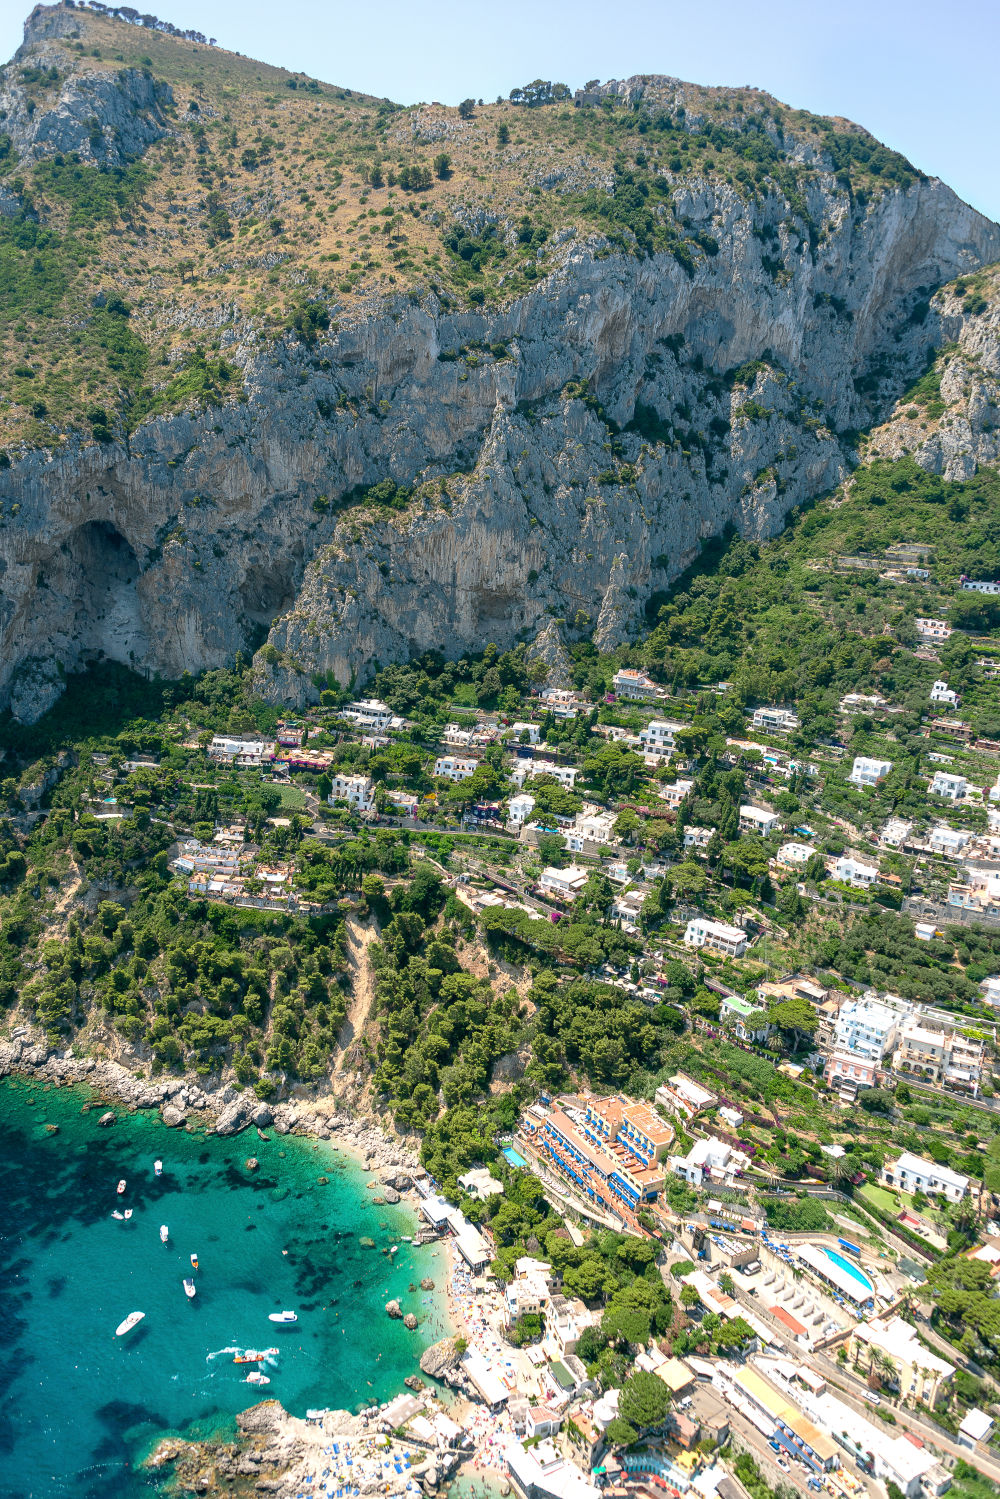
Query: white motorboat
(132, 1320)
(121, 1186)
(164, 1233)
(255, 1377)
(157, 1168)
(118, 1215)
(284, 1318)
(189, 1289)
(128, 1213)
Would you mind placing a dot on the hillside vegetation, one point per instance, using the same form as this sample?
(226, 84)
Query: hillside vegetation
(272, 201)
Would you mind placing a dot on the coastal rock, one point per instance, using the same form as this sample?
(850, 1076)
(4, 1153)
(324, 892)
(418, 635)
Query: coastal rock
(253, 1163)
(106, 1120)
(427, 1284)
(263, 1116)
(399, 1181)
(394, 1310)
(440, 1358)
(410, 1322)
(172, 1116)
(388, 1194)
(236, 1116)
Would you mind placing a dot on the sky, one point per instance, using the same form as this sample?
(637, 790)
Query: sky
(918, 74)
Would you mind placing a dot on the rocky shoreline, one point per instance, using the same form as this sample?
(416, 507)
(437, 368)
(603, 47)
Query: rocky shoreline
(183, 1103)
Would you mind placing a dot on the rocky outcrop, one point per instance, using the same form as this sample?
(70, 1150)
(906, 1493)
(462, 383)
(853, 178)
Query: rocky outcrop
(951, 426)
(60, 103)
(440, 1358)
(236, 1116)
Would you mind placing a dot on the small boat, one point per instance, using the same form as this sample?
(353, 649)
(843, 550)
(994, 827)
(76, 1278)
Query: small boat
(194, 1262)
(189, 1289)
(285, 1318)
(128, 1213)
(157, 1168)
(121, 1186)
(256, 1377)
(251, 1356)
(164, 1233)
(118, 1215)
(131, 1321)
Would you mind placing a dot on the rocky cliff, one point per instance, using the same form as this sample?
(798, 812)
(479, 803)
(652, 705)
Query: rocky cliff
(416, 475)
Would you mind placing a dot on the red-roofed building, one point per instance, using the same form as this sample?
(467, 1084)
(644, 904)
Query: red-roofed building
(799, 1332)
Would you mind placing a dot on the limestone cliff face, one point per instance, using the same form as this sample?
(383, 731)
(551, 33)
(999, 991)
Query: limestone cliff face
(108, 116)
(565, 476)
(952, 426)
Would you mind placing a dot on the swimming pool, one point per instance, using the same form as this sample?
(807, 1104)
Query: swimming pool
(515, 1158)
(851, 1270)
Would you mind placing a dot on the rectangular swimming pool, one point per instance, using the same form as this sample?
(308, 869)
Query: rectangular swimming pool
(514, 1156)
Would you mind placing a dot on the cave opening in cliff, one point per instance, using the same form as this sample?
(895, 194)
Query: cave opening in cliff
(269, 589)
(87, 596)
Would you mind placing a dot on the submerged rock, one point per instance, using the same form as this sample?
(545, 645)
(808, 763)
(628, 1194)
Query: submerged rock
(106, 1120)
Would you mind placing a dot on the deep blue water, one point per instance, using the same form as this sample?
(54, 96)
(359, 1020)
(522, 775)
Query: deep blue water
(79, 1407)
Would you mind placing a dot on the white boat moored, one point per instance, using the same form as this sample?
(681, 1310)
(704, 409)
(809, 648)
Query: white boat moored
(189, 1289)
(284, 1318)
(164, 1233)
(130, 1321)
(158, 1168)
(121, 1186)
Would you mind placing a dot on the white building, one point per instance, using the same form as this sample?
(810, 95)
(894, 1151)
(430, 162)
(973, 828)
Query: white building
(709, 1157)
(794, 855)
(241, 749)
(942, 693)
(860, 702)
(592, 825)
(933, 629)
(519, 809)
(456, 737)
(356, 791)
(864, 1032)
(683, 1096)
(952, 787)
(565, 774)
(372, 715)
(868, 772)
(698, 838)
(912, 1173)
(657, 738)
(774, 720)
(520, 729)
(976, 585)
(676, 793)
(563, 884)
(757, 820)
(895, 833)
(947, 841)
(851, 871)
(716, 935)
(455, 767)
(561, 702)
(629, 683)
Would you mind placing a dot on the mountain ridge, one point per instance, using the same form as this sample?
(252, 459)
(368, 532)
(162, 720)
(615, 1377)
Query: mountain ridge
(451, 444)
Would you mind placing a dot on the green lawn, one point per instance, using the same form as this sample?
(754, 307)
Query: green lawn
(879, 1197)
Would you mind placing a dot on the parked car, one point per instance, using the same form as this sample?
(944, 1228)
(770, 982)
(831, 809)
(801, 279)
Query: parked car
(872, 1398)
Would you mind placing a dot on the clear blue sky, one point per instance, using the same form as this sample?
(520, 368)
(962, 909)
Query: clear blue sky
(921, 75)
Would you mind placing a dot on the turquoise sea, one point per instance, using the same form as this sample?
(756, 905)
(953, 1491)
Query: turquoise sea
(79, 1408)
